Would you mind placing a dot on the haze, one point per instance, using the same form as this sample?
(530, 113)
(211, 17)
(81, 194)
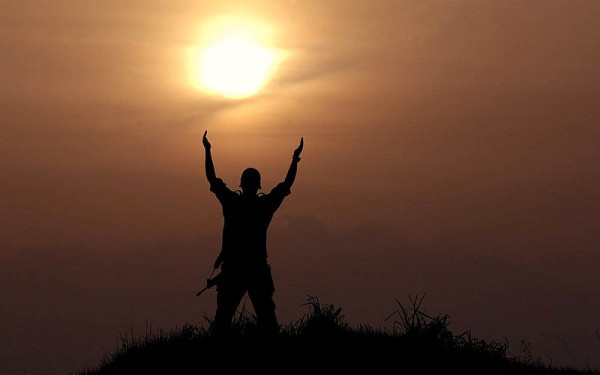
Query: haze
(451, 148)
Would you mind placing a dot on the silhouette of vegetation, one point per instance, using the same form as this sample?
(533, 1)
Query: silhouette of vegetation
(320, 342)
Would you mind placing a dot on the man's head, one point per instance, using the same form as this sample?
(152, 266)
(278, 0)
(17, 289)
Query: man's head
(250, 182)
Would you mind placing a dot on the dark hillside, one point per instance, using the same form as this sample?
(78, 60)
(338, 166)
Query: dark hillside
(320, 342)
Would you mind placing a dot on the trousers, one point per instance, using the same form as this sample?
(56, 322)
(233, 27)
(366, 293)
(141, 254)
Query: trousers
(236, 281)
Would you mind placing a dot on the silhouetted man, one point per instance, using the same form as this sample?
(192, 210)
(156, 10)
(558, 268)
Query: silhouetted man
(243, 257)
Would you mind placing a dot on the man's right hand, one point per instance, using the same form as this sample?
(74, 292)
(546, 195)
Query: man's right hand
(205, 141)
(298, 151)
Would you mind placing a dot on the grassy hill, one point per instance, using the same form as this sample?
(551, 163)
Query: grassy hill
(320, 342)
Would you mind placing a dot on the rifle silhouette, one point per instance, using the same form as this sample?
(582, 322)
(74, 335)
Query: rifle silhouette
(210, 283)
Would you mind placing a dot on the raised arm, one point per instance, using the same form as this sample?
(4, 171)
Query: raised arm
(208, 163)
(291, 174)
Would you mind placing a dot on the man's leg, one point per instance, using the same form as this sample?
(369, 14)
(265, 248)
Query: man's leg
(261, 294)
(229, 296)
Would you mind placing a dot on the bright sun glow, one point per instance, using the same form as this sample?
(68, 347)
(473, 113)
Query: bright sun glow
(235, 67)
(235, 63)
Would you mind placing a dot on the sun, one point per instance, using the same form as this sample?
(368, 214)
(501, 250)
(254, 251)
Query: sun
(235, 67)
(235, 63)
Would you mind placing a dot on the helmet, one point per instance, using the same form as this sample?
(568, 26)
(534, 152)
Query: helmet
(250, 179)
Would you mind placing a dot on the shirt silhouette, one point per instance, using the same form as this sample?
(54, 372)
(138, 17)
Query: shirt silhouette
(243, 256)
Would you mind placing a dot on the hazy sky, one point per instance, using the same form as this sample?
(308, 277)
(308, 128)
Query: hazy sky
(451, 148)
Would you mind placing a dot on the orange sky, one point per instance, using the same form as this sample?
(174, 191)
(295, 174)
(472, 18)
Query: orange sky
(451, 148)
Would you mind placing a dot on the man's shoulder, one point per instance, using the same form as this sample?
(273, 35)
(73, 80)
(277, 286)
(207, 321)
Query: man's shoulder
(281, 188)
(223, 193)
(217, 184)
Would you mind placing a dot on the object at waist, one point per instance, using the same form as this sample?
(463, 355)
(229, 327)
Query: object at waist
(242, 242)
(245, 264)
(244, 253)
